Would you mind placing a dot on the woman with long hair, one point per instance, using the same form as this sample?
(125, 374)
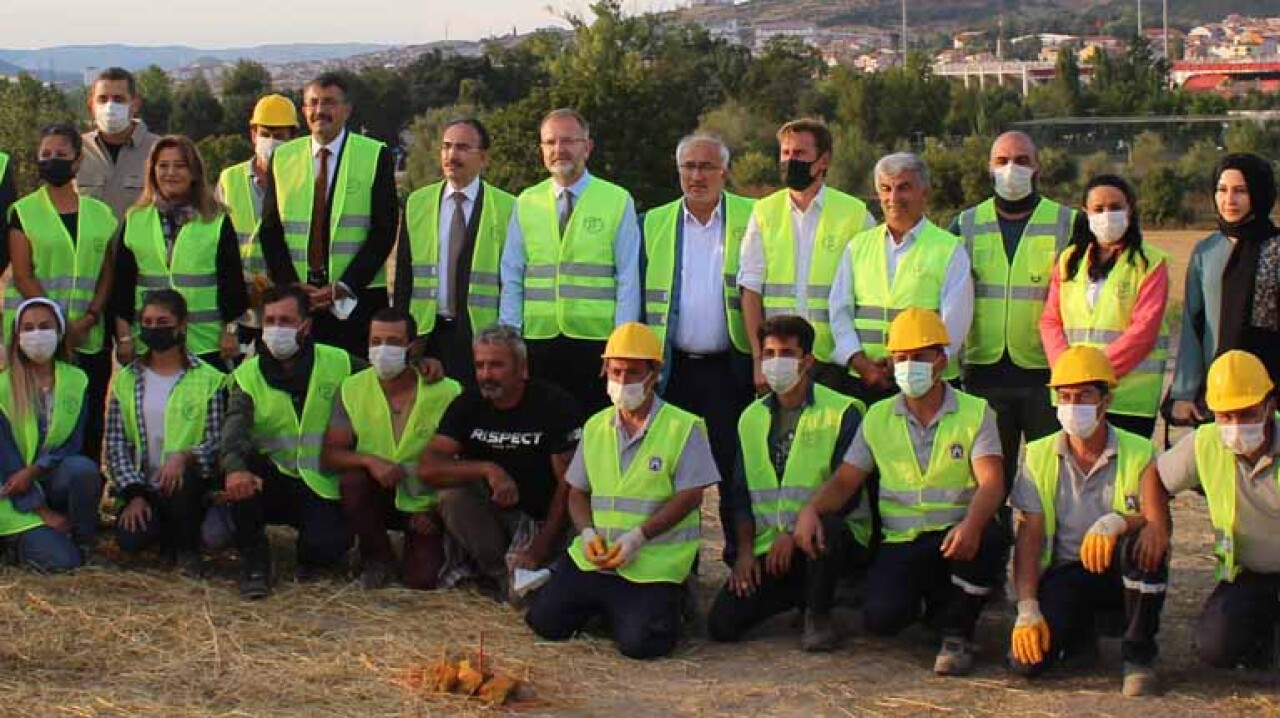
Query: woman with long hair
(178, 237)
(49, 496)
(1109, 290)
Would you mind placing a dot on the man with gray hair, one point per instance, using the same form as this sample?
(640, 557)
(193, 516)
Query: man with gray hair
(691, 297)
(906, 262)
(498, 461)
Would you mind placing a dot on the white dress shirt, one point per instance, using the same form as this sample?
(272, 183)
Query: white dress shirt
(335, 149)
(447, 208)
(956, 302)
(702, 326)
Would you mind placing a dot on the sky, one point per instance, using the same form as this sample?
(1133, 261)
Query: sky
(26, 24)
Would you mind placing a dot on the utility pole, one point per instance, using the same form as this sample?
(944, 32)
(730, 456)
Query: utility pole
(1139, 18)
(1166, 32)
(904, 33)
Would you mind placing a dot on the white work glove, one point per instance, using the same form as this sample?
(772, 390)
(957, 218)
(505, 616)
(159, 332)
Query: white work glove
(1030, 641)
(593, 545)
(624, 550)
(1100, 542)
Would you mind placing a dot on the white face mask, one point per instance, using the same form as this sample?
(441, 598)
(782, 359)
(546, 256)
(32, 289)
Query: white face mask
(782, 373)
(1109, 227)
(627, 397)
(112, 118)
(264, 148)
(1014, 181)
(282, 342)
(914, 378)
(1078, 420)
(1243, 439)
(39, 344)
(387, 360)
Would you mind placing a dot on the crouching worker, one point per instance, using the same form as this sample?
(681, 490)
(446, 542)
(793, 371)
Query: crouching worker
(164, 427)
(937, 452)
(773, 482)
(277, 413)
(1077, 499)
(384, 419)
(1234, 460)
(49, 495)
(635, 492)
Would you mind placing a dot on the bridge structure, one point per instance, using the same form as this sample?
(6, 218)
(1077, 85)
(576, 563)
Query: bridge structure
(1021, 74)
(1254, 68)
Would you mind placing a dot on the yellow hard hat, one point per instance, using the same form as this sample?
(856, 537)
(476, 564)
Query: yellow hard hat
(1082, 364)
(274, 111)
(916, 328)
(1237, 380)
(633, 340)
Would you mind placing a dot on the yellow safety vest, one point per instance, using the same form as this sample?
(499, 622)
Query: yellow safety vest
(294, 445)
(1009, 297)
(843, 217)
(915, 499)
(622, 501)
(661, 224)
(366, 404)
(1133, 454)
(1139, 391)
(185, 413)
(1216, 466)
(293, 171)
(422, 218)
(236, 183)
(67, 269)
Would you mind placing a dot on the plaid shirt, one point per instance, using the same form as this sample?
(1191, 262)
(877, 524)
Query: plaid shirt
(126, 464)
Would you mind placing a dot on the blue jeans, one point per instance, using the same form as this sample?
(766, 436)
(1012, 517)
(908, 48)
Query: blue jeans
(45, 549)
(74, 488)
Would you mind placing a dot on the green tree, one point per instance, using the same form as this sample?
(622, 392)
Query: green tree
(852, 161)
(754, 174)
(779, 77)
(1161, 192)
(1147, 154)
(242, 87)
(25, 106)
(739, 128)
(157, 98)
(196, 112)
(221, 151)
(422, 167)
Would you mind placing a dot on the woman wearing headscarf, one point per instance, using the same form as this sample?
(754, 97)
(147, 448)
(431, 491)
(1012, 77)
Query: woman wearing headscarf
(1233, 284)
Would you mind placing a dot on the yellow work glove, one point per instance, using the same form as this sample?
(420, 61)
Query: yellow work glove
(1100, 543)
(593, 545)
(1030, 634)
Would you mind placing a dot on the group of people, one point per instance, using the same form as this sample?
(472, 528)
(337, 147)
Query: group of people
(553, 381)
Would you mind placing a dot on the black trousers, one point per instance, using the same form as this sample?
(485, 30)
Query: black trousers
(97, 366)
(645, 617)
(1238, 623)
(838, 378)
(1143, 426)
(175, 520)
(450, 342)
(1022, 412)
(575, 366)
(810, 585)
(905, 578)
(323, 538)
(353, 333)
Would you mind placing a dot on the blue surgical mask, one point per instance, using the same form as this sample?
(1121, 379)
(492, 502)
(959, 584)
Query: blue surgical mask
(915, 378)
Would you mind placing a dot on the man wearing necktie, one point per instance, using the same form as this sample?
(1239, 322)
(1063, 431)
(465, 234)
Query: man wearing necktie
(329, 216)
(450, 244)
(571, 264)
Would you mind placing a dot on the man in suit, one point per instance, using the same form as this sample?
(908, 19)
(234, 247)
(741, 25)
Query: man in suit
(450, 244)
(329, 217)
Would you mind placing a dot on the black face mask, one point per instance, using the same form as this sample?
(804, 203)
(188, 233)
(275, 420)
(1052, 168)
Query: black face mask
(161, 339)
(797, 174)
(56, 171)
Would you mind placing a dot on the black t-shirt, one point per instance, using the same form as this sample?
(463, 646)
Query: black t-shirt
(521, 440)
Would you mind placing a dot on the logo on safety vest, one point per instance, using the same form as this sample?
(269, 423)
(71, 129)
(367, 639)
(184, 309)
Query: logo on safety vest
(655, 463)
(1037, 278)
(593, 225)
(1130, 503)
(327, 391)
(956, 451)
(830, 242)
(189, 411)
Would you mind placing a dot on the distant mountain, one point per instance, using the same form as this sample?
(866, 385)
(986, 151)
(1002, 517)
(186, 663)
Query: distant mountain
(76, 58)
(9, 69)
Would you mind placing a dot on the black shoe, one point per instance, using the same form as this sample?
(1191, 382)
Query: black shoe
(189, 563)
(255, 584)
(376, 574)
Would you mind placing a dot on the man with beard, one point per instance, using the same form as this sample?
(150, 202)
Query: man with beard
(498, 461)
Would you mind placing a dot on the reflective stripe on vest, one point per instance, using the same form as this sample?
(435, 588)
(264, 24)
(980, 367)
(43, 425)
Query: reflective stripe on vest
(917, 282)
(1133, 454)
(1216, 467)
(293, 171)
(914, 500)
(293, 445)
(192, 270)
(569, 285)
(185, 413)
(1138, 393)
(622, 501)
(422, 219)
(67, 270)
(366, 404)
(1008, 299)
(843, 217)
(236, 183)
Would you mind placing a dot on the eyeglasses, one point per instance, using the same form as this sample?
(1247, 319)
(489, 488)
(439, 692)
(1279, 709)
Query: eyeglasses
(327, 103)
(461, 147)
(562, 141)
(703, 167)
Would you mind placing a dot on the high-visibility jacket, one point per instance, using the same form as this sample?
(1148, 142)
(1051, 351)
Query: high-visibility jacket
(1133, 454)
(1216, 466)
(622, 501)
(776, 504)
(350, 214)
(1139, 391)
(916, 499)
(185, 413)
(236, 183)
(69, 386)
(843, 217)
(366, 404)
(661, 226)
(191, 270)
(66, 267)
(294, 444)
(1009, 296)
(917, 282)
(422, 218)
(570, 286)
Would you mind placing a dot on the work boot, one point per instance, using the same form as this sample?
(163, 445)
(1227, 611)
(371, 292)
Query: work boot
(189, 563)
(820, 634)
(955, 658)
(255, 583)
(1139, 680)
(376, 575)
